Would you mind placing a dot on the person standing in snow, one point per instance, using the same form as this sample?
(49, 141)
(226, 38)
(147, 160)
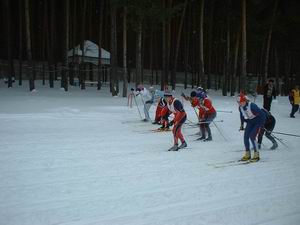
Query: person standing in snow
(267, 130)
(269, 94)
(147, 97)
(207, 114)
(255, 119)
(159, 95)
(176, 107)
(294, 99)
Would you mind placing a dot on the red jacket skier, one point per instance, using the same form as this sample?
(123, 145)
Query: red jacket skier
(207, 113)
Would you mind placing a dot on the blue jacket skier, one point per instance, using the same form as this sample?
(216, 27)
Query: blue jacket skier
(255, 119)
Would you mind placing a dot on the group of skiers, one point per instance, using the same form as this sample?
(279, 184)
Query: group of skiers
(259, 121)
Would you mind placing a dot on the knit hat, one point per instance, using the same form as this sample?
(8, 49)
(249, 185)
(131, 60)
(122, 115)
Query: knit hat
(193, 94)
(201, 95)
(242, 98)
(167, 94)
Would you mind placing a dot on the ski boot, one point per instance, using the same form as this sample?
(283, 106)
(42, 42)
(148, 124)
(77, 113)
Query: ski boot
(200, 138)
(183, 145)
(174, 148)
(167, 128)
(255, 157)
(162, 128)
(208, 139)
(274, 146)
(246, 157)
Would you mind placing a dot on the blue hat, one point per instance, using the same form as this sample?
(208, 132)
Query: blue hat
(201, 95)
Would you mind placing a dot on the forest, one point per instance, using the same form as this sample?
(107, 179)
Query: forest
(232, 45)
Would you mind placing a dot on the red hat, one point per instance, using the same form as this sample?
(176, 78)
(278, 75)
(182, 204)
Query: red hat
(242, 98)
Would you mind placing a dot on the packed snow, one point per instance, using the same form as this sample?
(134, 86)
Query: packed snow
(83, 157)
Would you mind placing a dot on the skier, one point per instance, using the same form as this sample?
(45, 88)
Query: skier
(176, 107)
(255, 118)
(207, 113)
(294, 98)
(147, 99)
(159, 95)
(267, 129)
(269, 94)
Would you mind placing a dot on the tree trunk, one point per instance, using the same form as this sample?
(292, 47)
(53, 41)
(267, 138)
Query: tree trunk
(260, 77)
(51, 44)
(83, 70)
(187, 68)
(173, 75)
(28, 46)
(20, 41)
(9, 46)
(201, 52)
(74, 32)
(277, 71)
(210, 42)
(243, 78)
(139, 53)
(44, 38)
(99, 84)
(227, 58)
(287, 71)
(113, 46)
(235, 62)
(269, 42)
(164, 74)
(151, 54)
(64, 77)
(125, 82)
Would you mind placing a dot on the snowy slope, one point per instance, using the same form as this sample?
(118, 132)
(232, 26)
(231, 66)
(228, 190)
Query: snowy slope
(84, 158)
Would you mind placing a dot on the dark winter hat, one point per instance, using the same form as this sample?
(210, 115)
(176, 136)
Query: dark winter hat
(167, 94)
(193, 94)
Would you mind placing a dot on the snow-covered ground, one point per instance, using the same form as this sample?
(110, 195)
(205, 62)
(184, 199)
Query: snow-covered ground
(85, 158)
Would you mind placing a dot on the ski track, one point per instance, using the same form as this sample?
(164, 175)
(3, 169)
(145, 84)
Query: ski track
(73, 165)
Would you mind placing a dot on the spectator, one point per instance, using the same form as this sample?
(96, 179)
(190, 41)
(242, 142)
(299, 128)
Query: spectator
(269, 94)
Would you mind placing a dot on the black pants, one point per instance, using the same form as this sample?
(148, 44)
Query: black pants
(294, 110)
(267, 131)
(267, 103)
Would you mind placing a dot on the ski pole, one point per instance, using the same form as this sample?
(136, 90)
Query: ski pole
(287, 134)
(137, 105)
(224, 111)
(220, 131)
(193, 124)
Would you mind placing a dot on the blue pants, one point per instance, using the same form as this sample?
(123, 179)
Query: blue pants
(251, 131)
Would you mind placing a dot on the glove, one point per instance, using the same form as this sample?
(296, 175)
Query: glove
(171, 123)
(132, 89)
(149, 102)
(241, 128)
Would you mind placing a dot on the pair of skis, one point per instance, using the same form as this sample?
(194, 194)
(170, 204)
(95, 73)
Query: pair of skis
(233, 163)
(153, 131)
